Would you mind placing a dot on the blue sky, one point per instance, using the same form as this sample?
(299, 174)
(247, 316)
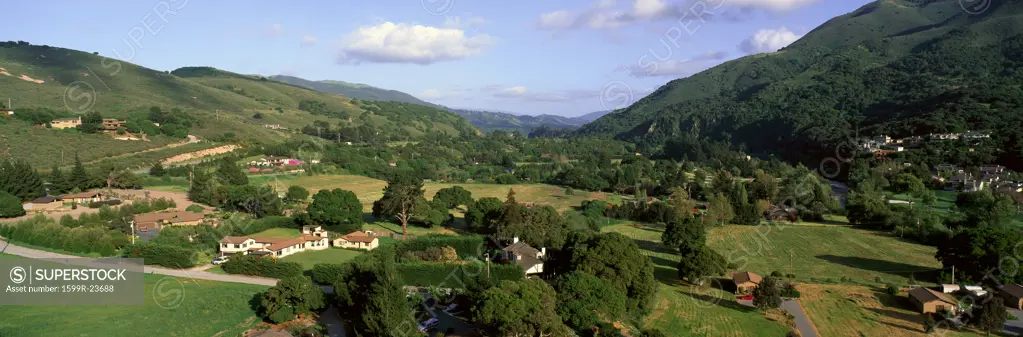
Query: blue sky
(556, 57)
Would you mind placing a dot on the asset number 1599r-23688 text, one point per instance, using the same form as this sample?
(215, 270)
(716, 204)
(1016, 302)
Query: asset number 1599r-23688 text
(87, 288)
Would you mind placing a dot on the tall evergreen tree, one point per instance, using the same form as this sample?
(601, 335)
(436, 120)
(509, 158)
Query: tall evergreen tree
(157, 170)
(202, 188)
(58, 183)
(228, 173)
(20, 180)
(79, 178)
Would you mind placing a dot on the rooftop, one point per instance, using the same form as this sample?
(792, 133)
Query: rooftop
(925, 295)
(745, 276)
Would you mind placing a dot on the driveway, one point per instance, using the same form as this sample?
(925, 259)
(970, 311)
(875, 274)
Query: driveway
(792, 307)
(1015, 326)
(446, 320)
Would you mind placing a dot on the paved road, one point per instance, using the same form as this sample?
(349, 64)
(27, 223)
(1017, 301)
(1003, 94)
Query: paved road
(1014, 327)
(331, 319)
(803, 323)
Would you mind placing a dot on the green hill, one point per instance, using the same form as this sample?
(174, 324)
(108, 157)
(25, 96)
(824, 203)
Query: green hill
(220, 104)
(894, 67)
(488, 120)
(353, 90)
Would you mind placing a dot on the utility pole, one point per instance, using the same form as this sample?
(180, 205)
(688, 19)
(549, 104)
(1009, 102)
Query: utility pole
(953, 274)
(218, 114)
(487, 256)
(132, 223)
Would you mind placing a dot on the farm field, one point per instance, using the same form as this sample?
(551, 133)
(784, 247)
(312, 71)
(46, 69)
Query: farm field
(369, 190)
(854, 311)
(222, 307)
(310, 258)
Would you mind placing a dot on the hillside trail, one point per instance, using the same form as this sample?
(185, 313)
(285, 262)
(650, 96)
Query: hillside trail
(190, 140)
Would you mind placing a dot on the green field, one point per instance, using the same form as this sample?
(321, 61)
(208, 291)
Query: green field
(310, 258)
(369, 190)
(278, 233)
(944, 200)
(818, 252)
(207, 308)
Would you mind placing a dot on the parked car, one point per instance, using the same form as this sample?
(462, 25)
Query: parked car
(451, 307)
(429, 324)
(746, 298)
(220, 260)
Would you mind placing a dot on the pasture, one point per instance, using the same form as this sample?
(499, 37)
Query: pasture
(369, 190)
(819, 253)
(223, 308)
(854, 311)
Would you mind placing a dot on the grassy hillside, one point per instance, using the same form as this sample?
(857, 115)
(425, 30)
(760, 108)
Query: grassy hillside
(893, 66)
(219, 103)
(353, 90)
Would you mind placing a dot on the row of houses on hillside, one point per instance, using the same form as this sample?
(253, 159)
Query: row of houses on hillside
(993, 177)
(313, 238)
(107, 125)
(885, 143)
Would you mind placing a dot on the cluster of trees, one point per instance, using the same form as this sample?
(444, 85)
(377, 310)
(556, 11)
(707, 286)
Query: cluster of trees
(19, 182)
(259, 266)
(45, 232)
(228, 187)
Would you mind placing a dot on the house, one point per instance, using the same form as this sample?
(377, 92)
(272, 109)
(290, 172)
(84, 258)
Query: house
(111, 124)
(179, 218)
(964, 182)
(1013, 295)
(84, 197)
(314, 231)
(930, 301)
(974, 135)
(745, 281)
(942, 168)
(943, 136)
(64, 123)
(42, 204)
(275, 247)
(949, 288)
(271, 161)
(992, 169)
(357, 240)
(392, 164)
(775, 213)
(526, 256)
(882, 139)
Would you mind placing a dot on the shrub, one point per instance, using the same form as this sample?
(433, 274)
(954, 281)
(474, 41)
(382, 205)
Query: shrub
(877, 279)
(195, 209)
(465, 246)
(776, 273)
(327, 273)
(10, 206)
(45, 232)
(451, 275)
(891, 289)
(789, 290)
(432, 254)
(257, 266)
(163, 255)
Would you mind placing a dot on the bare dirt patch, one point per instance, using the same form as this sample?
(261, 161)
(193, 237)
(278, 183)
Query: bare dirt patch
(200, 154)
(25, 77)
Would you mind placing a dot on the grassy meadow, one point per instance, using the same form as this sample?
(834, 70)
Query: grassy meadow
(819, 252)
(223, 308)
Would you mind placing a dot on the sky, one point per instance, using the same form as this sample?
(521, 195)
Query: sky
(568, 57)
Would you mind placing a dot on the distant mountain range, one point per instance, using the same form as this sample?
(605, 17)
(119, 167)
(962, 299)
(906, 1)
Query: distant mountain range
(484, 120)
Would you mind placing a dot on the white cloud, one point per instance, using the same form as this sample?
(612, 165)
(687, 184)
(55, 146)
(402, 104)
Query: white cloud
(603, 15)
(401, 43)
(458, 23)
(768, 41)
(676, 68)
(275, 29)
(436, 94)
(309, 40)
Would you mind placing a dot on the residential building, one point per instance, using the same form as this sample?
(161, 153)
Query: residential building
(964, 182)
(111, 124)
(526, 256)
(357, 240)
(274, 161)
(942, 168)
(64, 123)
(882, 139)
(974, 135)
(314, 231)
(43, 204)
(179, 218)
(930, 301)
(275, 247)
(84, 197)
(1013, 294)
(745, 282)
(992, 169)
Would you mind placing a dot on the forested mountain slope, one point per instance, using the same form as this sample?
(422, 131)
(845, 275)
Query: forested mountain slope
(892, 67)
(353, 90)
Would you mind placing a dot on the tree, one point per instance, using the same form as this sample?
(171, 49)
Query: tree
(865, 205)
(454, 196)
(10, 206)
(767, 295)
(682, 203)
(618, 260)
(984, 208)
(58, 183)
(79, 178)
(519, 308)
(763, 186)
(746, 213)
(401, 196)
(719, 210)
(92, 122)
(722, 182)
(20, 180)
(157, 170)
(296, 194)
(695, 265)
(228, 173)
(482, 214)
(975, 251)
(292, 296)
(992, 315)
(338, 210)
(685, 235)
(585, 300)
(201, 189)
(370, 293)
(511, 213)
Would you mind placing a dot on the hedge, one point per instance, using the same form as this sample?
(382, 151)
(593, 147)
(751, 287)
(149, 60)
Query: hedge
(163, 255)
(327, 273)
(465, 246)
(44, 232)
(452, 275)
(98, 204)
(258, 266)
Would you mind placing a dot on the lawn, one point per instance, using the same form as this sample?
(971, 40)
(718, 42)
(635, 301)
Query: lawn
(207, 308)
(278, 233)
(390, 227)
(310, 258)
(819, 252)
(944, 200)
(854, 311)
(369, 190)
